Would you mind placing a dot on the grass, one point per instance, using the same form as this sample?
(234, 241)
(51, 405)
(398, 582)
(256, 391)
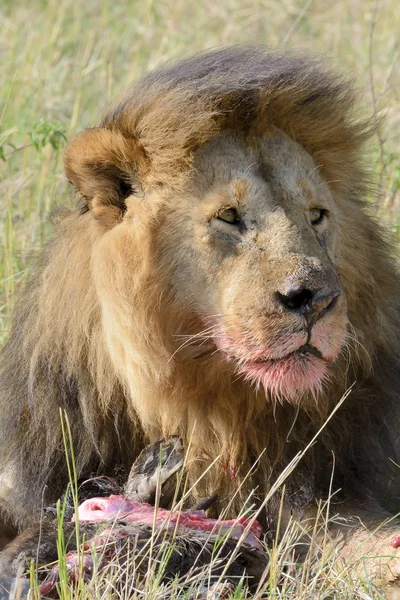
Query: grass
(63, 61)
(137, 570)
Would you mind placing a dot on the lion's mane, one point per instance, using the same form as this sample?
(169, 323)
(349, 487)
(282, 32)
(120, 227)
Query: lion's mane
(66, 352)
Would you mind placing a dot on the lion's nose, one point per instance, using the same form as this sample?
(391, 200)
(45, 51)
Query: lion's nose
(299, 298)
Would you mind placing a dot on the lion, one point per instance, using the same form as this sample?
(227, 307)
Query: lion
(221, 279)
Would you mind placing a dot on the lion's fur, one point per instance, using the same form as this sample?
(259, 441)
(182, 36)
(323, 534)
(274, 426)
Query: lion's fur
(95, 327)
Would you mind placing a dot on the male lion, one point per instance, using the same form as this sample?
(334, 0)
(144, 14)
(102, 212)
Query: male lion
(220, 279)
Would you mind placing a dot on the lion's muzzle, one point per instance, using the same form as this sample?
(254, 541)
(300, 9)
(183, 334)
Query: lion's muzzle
(288, 342)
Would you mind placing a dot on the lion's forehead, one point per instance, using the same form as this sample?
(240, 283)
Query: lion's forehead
(273, 169)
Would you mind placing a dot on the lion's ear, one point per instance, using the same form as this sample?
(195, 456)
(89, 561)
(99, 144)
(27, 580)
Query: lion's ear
(106, 168)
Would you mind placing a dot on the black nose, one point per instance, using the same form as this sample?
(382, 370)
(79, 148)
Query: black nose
(300, 299)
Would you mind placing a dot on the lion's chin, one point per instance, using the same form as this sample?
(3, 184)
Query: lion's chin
(288, 378)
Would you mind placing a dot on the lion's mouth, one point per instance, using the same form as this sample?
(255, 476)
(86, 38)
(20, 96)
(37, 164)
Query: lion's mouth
(291, 376)
(291, 365)
(303, 351)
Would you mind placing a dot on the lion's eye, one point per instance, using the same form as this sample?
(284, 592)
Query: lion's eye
(317, 215)
(229, 215)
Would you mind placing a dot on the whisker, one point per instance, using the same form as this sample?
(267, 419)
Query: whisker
(203, 332)
(200, 338)
(354, 338)
(316, 168)
(327, 182)
(215, 351)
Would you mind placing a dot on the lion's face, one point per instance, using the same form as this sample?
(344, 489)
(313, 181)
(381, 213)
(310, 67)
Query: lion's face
(253, 258)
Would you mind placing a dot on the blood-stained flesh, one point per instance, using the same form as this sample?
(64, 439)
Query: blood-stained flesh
(120, 509)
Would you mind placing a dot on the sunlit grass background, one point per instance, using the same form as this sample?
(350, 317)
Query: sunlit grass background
(63, 61)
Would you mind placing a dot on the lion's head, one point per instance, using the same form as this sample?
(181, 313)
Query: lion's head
(243, 190)
(252, 246)
(221, 279)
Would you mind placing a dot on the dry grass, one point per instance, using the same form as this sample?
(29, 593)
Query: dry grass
(329, 578)
(137, 571)
(63, 61)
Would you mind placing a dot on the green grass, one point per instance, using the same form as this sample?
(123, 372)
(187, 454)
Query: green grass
(63, 61)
